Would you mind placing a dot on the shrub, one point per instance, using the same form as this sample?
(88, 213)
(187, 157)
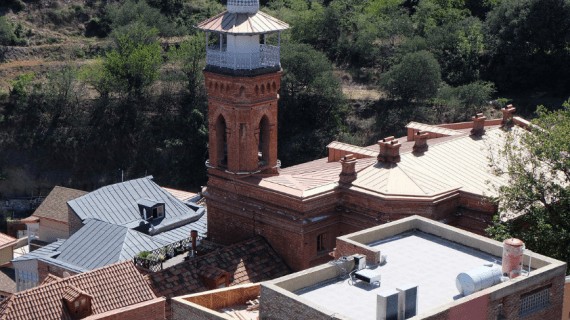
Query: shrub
(144, 254)
(417, 77)
(7, 36)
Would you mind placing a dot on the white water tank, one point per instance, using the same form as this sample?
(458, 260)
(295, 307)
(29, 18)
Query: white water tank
(477, 279)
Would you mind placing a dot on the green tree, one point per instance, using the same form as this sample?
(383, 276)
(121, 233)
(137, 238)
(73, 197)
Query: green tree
(311, 101)
(417, 77)
(529, 41)
(118, 16)
(460, 103)
(457, 48)
(134, 65)
(190, 55)
(7, 36)
(534, 204)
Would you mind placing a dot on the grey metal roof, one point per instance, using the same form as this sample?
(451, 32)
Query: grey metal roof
(183, 232)
(99, 243)
(117, 203)
(44, 252)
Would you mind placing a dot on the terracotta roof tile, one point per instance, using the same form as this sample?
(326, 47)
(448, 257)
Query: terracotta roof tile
(55, 204)
(71, 293)
(209, 271)
(50, 278)
(252, 260)
(181, 195)
(112, 287)
(6, 240)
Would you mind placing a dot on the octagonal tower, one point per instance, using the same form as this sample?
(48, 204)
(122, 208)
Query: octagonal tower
(243, 75)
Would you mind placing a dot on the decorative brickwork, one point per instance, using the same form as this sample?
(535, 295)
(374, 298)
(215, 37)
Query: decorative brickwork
(243, 122)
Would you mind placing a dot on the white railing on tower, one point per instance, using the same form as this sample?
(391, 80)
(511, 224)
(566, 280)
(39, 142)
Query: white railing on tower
(268, 56)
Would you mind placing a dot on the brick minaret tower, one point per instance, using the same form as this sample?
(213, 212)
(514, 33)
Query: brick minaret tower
(243, 75)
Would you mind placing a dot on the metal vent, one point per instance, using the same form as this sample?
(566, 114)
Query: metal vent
(534, 302)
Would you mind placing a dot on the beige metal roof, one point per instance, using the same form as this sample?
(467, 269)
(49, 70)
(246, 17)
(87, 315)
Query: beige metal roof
(243, 23)
(429, 128)
(459, 163)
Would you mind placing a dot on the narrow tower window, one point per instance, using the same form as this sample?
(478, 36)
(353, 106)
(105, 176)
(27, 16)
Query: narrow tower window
(263, 146)
(222, 141)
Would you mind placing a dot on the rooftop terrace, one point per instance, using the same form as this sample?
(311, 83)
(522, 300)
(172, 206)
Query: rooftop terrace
(416, 258)
(420, 252)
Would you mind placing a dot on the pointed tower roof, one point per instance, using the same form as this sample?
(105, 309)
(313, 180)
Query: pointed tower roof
(243, 23)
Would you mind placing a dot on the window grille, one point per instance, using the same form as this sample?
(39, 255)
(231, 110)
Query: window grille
(534, 302)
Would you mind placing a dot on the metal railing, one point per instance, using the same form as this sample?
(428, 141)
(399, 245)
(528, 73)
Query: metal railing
(159, 255)
(268, 56)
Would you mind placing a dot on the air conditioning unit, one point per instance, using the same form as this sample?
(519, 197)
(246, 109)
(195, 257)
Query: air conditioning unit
(360, 262)
(367, 275)
(407, 301)
(387, 305)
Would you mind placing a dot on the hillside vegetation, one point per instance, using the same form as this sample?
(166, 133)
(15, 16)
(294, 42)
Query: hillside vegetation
(91, 88)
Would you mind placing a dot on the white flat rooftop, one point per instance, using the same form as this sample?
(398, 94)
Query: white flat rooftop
(415, 258)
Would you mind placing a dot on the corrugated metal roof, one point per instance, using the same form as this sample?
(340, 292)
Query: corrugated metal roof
(429, 128)
(117, 203)
(99, 243)
(243, 23)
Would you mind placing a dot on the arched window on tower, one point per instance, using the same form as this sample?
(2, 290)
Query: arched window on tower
(222, 141)
(264, 139)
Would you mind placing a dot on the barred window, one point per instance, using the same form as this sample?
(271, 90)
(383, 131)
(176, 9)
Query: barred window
(534, 301)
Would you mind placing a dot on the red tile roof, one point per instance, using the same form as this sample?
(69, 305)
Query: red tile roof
(6, 240)
(112, 287)
(181, 195)
(55, 204)
(72, 293)
(252, 260)
(50, 278)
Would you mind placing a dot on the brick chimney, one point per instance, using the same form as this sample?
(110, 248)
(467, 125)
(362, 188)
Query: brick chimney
(420, 139)
(478, 125)
(348, 173)
(389, 150)
(194, 235)
(508, 116)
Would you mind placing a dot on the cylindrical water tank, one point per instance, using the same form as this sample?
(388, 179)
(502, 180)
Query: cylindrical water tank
(513, 250)
(477, 279)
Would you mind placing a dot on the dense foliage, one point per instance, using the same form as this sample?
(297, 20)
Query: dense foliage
(534, 205)
(141, 105)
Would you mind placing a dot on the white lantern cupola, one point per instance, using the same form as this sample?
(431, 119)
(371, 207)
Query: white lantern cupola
(239, 47)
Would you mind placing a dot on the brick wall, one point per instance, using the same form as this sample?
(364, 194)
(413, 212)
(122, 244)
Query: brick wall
(344, 248)
(280, 306)
(45, 268)
(74, 223)
(205, 304)
(148, 310)
(511, 303)
(50, 231)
